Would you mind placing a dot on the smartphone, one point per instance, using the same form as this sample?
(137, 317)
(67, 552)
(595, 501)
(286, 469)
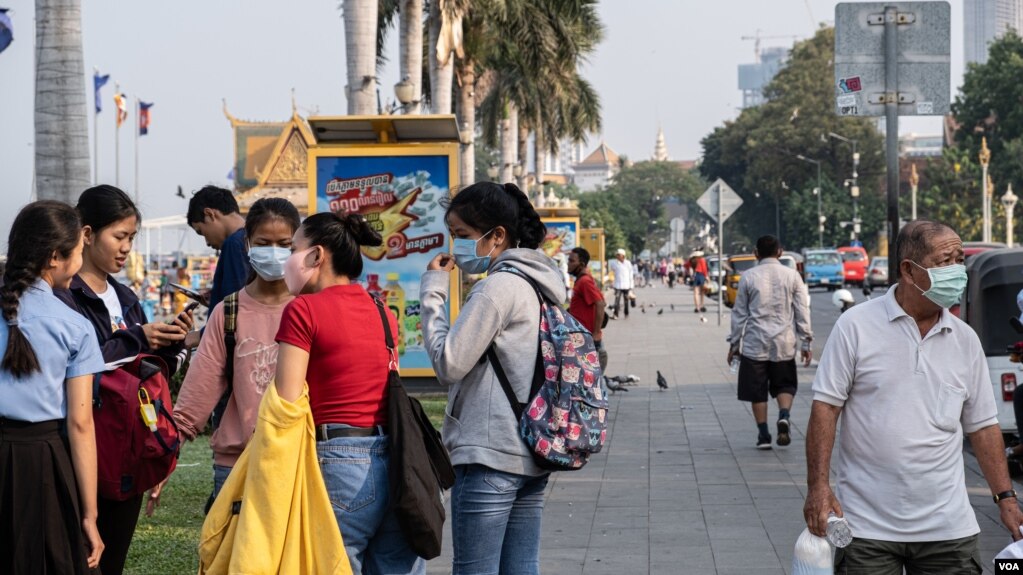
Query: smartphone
(192, 294)
(191, 306)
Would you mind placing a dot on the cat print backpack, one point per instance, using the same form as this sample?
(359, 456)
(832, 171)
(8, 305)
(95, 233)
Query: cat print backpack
(564, 420)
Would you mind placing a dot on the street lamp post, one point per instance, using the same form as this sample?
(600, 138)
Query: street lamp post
(914, 181)
(855, 189)
(777, 211)
(1009, 203)
(985, 159)
(819, 192)
(405, 91)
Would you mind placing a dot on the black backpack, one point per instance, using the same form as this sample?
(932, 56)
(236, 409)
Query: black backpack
(230, 327)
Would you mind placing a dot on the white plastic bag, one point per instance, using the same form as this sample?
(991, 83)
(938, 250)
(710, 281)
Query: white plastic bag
(1015, 549)
(813, 555)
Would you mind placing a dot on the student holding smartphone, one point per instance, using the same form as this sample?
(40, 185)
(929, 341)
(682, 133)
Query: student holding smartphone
(269, 227)
(110, 222)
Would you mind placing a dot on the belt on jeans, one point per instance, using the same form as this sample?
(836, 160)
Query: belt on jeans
(323, 433)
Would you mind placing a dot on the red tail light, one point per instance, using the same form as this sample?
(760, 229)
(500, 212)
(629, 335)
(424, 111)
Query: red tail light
(1008, 386)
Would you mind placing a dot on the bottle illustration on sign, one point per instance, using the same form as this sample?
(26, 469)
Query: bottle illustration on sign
(396, 301)
(413, 326)
(373, 286)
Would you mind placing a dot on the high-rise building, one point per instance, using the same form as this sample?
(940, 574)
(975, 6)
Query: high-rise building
(987, 20)
(754, 77)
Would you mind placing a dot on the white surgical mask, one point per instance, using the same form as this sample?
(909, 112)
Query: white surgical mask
(268, 261)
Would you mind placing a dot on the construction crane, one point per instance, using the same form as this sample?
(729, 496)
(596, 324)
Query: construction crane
(758, 37)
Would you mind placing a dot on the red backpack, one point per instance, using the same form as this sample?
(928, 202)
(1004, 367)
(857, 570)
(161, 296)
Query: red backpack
(136, 438)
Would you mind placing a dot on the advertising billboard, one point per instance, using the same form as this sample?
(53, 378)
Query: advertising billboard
(401, 190)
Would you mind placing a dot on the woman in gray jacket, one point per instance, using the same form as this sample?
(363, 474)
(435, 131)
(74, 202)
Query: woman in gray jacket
(497, 499)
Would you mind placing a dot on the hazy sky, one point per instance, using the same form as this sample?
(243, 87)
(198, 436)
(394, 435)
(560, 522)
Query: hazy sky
(663, 62)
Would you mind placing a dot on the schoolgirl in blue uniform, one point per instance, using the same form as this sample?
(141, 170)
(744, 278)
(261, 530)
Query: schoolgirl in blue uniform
(48, 486)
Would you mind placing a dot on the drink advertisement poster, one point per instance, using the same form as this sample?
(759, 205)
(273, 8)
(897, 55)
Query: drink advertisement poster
(562, 238)
(402, 198)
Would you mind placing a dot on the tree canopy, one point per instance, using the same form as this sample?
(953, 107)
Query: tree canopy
(990, 105)
(756, 155)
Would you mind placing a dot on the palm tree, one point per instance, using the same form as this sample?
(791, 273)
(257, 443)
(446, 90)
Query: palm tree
(360, 17)
(61, 122)
(411, 48)
(445, 16)
(538, 78)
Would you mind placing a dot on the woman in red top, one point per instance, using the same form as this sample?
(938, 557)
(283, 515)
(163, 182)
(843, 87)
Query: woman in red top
(331, 337)
(699, 269)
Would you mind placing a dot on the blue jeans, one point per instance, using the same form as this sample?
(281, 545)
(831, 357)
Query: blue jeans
(355, 471)
(495, 521)
(220, 473)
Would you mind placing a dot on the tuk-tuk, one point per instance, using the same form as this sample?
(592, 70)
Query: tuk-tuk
(995, 277)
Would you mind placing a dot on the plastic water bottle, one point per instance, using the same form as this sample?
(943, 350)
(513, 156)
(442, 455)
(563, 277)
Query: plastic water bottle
(839, 534)
(734, 366)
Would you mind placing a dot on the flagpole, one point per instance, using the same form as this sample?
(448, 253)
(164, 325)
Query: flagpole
(117, 139)
(95, 130)
(138, 120)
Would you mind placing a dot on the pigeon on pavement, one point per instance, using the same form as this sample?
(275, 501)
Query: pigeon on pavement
(660, 311)
(614, 386)
(661, 382)
(624, 379)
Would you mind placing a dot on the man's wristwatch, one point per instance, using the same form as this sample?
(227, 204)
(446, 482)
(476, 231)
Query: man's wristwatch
(1005, 495)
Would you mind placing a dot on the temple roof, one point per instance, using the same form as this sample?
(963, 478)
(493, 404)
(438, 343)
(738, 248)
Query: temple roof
(271, 160)
(602, 156)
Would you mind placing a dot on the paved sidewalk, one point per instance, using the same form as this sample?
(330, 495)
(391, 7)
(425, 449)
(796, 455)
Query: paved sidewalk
(680, 488)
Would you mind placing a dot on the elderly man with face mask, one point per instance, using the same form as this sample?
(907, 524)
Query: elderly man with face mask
(908, 379)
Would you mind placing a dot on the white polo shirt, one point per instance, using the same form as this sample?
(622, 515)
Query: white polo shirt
(906, 403)
(623, 273)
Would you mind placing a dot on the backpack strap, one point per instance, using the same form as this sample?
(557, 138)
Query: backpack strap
(230, 342)
(516, 406)
(538, 370)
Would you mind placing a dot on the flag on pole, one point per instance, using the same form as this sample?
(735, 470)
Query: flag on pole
(144, 117)
(6, 30)
(122, 108)
(98, 82)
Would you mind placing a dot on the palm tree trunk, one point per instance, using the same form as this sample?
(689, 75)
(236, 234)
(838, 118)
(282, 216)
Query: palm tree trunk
(509, 133)
(441, 75)
(360, 51)
(467, 119)
(520, 181)
(61, 121)
(539, 152)
(411, 47)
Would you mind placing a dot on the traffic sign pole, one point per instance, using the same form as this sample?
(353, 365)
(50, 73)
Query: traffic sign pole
(891, 113)
(719, 202)
(721, 263)
(878, 46)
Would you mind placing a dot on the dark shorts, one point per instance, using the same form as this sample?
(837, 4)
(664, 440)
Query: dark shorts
(699, 279)
(758, 378)
(872, 557)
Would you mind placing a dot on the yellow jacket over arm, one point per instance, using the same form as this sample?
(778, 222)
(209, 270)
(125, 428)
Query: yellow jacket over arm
(273, 514)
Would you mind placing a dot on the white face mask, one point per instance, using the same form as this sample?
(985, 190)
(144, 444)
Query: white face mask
(268, 261)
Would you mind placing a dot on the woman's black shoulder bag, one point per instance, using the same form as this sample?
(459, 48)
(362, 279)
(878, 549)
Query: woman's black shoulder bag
(420, 468)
